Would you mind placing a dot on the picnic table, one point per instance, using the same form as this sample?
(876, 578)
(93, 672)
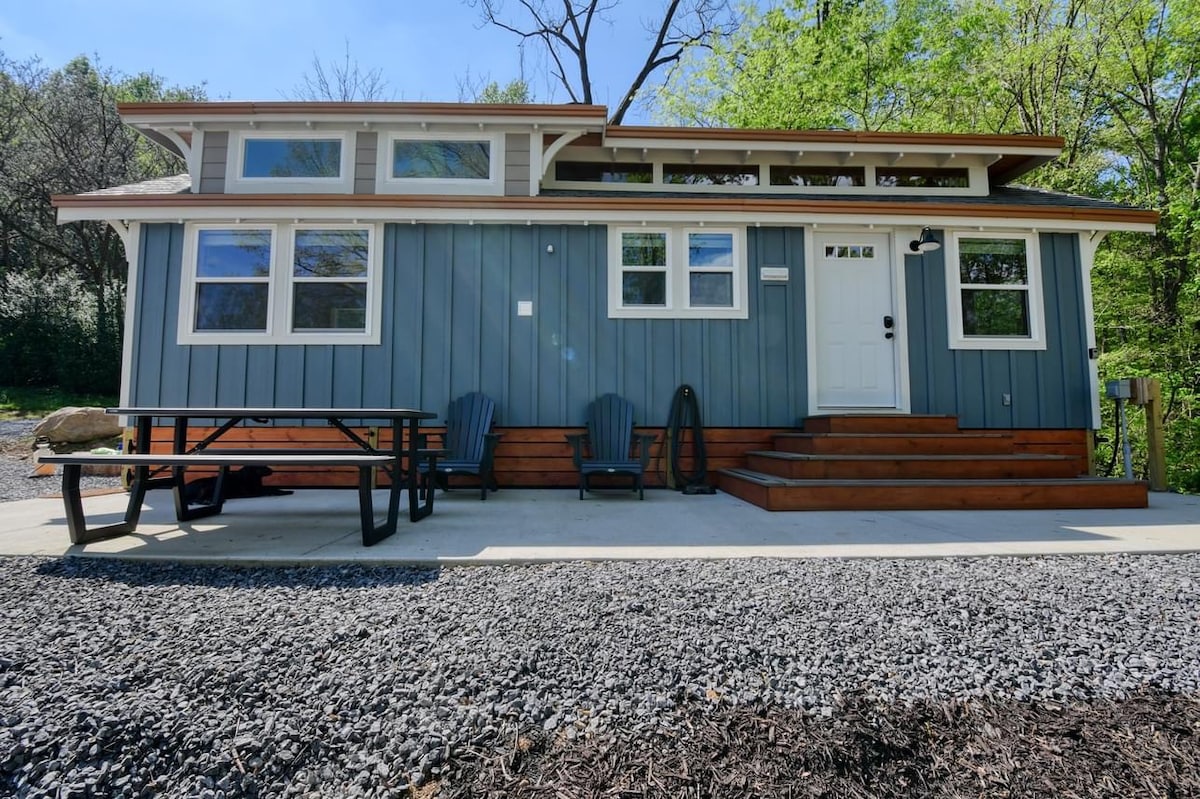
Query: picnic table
(401, 462)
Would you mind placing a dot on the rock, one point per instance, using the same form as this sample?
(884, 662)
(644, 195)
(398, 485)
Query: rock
(77, 425)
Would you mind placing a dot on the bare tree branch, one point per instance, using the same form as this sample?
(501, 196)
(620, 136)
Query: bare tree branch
(564, 34)
(341, 82)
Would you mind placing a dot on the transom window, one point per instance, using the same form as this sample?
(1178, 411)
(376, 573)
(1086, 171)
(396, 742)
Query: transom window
(995, 284)
(922, 178)
(785, 175)
(254, 284)
(677, 272)
(603, 172)
(292, 158)
(288, 161)
(440, 159)
(710, 175)
(440, 163)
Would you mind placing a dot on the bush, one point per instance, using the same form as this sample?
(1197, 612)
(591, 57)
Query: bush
(51, 334)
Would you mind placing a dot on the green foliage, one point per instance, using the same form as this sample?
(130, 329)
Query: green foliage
(1116, 80)
(21, 401)
(52, 335)
(60, 134)
(516, 92)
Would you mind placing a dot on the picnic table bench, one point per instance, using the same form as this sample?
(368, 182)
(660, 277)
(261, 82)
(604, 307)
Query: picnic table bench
(400, 461)
(73, 463)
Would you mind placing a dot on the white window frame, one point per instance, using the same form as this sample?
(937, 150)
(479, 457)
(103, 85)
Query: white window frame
(493, 185)
(280, 283)
(678, 294)
(236, 155)
(954, 288)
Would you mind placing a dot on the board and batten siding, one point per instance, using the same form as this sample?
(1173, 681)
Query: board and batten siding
(450, 325)
(1049, 388)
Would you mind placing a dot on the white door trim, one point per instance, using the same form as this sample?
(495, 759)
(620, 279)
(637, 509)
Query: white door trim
(899, 239)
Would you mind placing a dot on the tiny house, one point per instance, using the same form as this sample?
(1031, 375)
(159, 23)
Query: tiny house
(848, 306)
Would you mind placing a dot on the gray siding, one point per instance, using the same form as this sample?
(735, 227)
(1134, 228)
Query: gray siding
(365, 152)
(450, 326)
(1049, 387)
(212, 162)
(516, 165)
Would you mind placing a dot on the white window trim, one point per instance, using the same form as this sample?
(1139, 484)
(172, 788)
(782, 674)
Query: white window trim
(386, 184)
(678, 272)
(954, 288)
(236, 154)
(279, 304)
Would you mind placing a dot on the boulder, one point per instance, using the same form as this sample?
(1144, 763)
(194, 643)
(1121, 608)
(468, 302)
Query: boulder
(78, 425)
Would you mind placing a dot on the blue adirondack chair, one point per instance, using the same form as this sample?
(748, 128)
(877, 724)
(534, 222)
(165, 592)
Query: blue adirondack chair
(607, 447)
(469, 442)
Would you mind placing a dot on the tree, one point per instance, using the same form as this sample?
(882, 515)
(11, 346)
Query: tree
(60, 134)
(342, 82)
(564, 32)
(515, 92)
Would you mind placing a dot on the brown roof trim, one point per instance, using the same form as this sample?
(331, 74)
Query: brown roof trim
(442, 109)
(637, 204)
(836, 136)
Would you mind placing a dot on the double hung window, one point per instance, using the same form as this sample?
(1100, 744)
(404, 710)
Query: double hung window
(261, 284)
(995, 293)
(677, 272)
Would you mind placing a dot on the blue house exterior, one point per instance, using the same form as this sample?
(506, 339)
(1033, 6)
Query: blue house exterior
(399, 255)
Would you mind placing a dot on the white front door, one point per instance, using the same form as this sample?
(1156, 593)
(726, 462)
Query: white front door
(855, 346)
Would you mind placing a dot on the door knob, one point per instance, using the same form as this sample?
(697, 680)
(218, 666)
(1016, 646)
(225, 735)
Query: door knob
(889, 334)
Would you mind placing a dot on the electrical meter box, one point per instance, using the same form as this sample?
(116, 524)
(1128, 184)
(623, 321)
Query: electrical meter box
(1119, 389)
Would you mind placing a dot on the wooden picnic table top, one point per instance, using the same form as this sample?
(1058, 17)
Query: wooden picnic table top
(275, 413)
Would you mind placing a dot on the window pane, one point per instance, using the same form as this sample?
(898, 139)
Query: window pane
(233, 253)
(644, 288)
(710, 249)
(330, 306)
(995, 312)
(782, 175)
(711, 289)
(992, 261)
(231, 306)
(331, 253)
(460, 160)
(643, 249)
(292, 158)
(601, 172)
(694, 175)
(916, 177)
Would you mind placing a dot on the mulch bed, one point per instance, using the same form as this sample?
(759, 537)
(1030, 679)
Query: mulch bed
(1145, 746)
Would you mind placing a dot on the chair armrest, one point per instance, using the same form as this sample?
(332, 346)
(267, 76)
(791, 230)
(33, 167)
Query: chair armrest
(577, 440)
(490, 440)
(645, 441)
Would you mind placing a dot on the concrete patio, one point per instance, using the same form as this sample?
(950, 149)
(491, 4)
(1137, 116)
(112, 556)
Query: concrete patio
(312, 527)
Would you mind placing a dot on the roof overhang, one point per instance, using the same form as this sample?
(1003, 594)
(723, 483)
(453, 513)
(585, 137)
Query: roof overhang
(588, 210)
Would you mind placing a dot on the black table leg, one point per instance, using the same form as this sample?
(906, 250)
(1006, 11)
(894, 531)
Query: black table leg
(372, 534)
(183, 512)
(77, 524)
(416, 509)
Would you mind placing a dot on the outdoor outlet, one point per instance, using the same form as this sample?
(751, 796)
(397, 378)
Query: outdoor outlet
(524, 307)
(1006, 400)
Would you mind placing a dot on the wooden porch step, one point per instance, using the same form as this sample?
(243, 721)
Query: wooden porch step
(777, 493)
(881, 423)
(992, 443)
(801, 466)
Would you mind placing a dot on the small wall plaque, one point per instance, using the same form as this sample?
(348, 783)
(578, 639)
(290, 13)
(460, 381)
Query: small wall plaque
(773, 274)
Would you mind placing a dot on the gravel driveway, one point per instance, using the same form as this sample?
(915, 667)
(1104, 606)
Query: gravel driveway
(16, 463)
(121, 679)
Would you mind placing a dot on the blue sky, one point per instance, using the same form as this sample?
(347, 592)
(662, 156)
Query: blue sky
(260, 49)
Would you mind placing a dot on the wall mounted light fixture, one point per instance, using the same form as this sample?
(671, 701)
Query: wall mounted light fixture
(926, 243)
